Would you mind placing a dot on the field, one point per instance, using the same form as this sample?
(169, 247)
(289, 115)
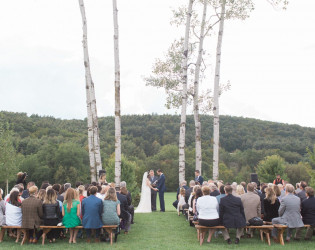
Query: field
(161, 231)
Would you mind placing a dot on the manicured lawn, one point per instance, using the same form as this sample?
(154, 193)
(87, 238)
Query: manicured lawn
(162, 231)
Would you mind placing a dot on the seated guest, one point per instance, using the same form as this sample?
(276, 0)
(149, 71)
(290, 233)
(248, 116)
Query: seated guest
(232, 215)
(44, 185)
(297, 188)
(111, 208)
(81, 190)
(207, 207)
(213, 190)
(252, 205)
(2, 209)
(234, 186)
(181, 200)
(289, 212)
(57, 188)
(102, 193)
(243, 183)
(41, 194)
(192, 198)
(13, 210)
(271, 205)
(283, 193)
(32, 210)
(71, 214)
(64, 189)
(222, 193)
(25, 193)
(239, 190)
(123, 190)
(302, 194)
(308, 215)
(92, 208)
(51, 213)
(124, 214)
(182, 185)
(277, 191)
(198, 194)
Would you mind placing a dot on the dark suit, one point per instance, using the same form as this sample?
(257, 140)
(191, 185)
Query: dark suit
(302, 195)
(162, 189)
(308, 217)
(131, 209)
(199, 179)
(153, 193)
(124, 214)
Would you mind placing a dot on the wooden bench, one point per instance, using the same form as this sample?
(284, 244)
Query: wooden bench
(264, 229)
(281, 229)
(46, 229)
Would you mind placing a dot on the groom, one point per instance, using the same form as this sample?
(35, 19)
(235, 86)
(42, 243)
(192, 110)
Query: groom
(161, 189)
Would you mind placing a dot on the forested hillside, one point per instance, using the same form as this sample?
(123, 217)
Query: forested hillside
(56, 150)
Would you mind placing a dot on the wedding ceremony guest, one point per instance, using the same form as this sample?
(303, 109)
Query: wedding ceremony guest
(308, 215)
(198, 177)
(207, 208)
(214, 190)
(251, 204)
(222, 193)
(92, 209)
(198, 194)
(44, 185)
(111, 208)
(181, 200)
(297, 188)
(124, 214)
(302, 193)
(234, 186)
(239, 191)
(182, 185)
(32, 212)
(25, 193)
(2, 209)
(243, 183)
(191, 200)
(41, 194)
(232, 215)
(278, 180)
(277, 191)
(14, 189)
(281, 187)
(51, 213)
(71, 213)
(188, 194)
(81, 190)
(153, 179)
(57, 188)
(13, 210)
(271, 205)
(289, 212)
(65, 188)
(131, 209)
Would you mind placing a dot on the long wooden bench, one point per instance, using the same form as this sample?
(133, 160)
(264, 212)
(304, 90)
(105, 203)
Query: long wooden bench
(46, 229)
(264, 229)
(281, 229)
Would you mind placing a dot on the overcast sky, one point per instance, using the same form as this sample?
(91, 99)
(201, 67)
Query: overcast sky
(269, 58)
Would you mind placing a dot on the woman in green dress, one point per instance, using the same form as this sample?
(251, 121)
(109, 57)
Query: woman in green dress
(71, 214)
(111, 208)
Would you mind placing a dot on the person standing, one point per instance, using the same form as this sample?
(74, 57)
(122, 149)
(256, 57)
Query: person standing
(161, 189)
(198, 177)
(278, 180)
(153, 179)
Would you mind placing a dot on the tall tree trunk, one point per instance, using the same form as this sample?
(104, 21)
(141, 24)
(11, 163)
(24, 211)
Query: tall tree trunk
(196, 91)
(182, 132)
(216, 121)
(117, 98)
(93, 132)
(7, 186)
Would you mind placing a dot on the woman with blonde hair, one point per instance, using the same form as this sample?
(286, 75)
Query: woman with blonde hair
(181, 200)
(239, 190)
(111, 208)
(41, 194)
(71, 214)
(271, 205)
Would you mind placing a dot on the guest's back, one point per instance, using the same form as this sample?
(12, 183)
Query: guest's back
(308, 211)
(32, 210)
(92, 208)
(251, 203)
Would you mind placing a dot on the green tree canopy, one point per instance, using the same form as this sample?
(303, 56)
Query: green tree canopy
(268, 168)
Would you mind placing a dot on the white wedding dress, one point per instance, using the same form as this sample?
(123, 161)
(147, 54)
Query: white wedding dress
(145, 200)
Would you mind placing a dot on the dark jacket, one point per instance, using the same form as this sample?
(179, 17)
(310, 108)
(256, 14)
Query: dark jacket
(302, 195)
(308, 211)
(123, 206)
(129, 198)
(187, 194)
(161, 183)
(271, 210)
(215, 193)
(51, 211)
(232, 212)
(199, 179)
(92, 209)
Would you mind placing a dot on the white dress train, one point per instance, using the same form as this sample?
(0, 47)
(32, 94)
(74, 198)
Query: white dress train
(145, 200)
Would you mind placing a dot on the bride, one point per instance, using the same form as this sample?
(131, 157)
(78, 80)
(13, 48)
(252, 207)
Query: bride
(145, 200)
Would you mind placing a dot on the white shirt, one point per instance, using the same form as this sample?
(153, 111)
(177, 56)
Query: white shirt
(207, 207)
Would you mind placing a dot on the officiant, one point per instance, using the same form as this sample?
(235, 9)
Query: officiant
(153, 179)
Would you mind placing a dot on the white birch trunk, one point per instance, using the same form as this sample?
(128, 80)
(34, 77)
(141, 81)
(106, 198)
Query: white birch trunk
(117, 98)
(216, 121)
(196, 91)
(93, 133)
(182, 132)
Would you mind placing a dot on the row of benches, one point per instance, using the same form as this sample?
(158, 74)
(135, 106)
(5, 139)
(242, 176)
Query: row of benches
(46, 229)
(264, 229)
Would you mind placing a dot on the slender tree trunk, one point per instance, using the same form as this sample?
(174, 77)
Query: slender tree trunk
(7, 186)
(182, 132)
(216, 120)
(93, 132)
(196, 91)
(117, 98)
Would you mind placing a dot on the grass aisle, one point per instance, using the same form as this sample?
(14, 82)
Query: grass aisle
(162, 231)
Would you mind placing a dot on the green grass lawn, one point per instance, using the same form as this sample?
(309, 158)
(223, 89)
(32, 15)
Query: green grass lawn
(162, 231)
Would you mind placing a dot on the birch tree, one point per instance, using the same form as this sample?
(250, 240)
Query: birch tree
(182, 131)
(92, 120)
(117, 98)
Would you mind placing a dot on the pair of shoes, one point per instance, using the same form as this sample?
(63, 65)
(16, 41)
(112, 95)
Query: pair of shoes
(237, 240)
(229, 241)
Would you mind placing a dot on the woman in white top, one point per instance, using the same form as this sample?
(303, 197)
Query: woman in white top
(181, 200)
(208, 207)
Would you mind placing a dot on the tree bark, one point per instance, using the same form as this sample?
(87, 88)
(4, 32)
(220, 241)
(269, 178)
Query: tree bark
(216, 120)
(196, 91)
(117, 98)
(182, 132)
(92, 120)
